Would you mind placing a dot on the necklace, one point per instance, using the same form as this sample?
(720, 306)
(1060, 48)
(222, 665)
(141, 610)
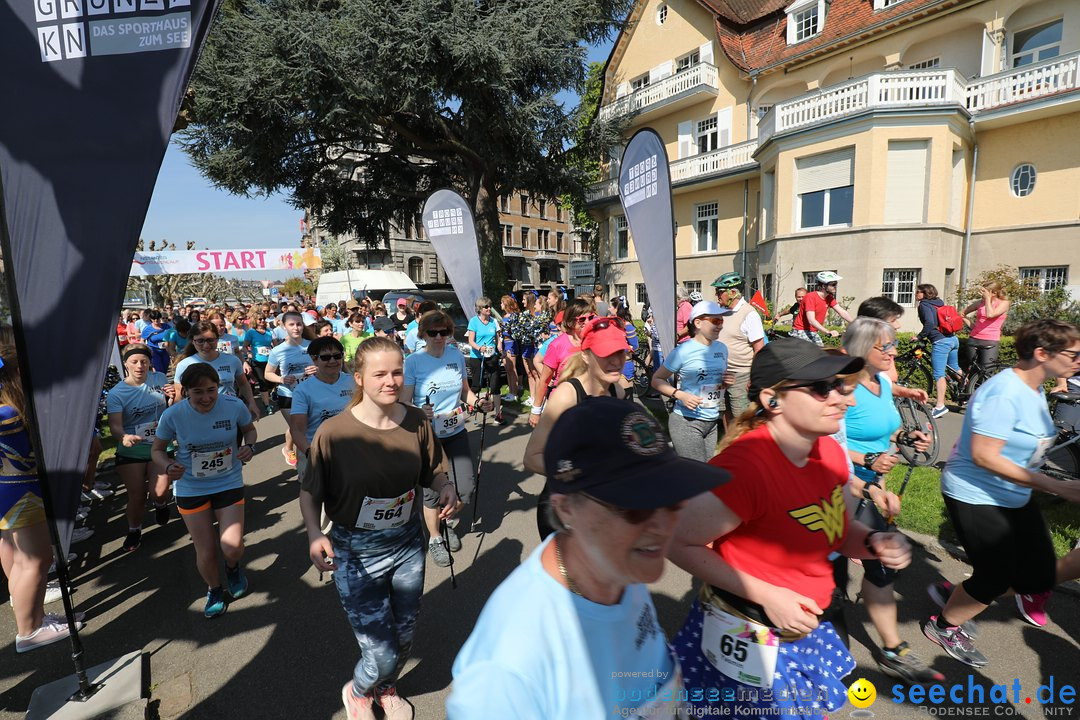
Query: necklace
(562, 569)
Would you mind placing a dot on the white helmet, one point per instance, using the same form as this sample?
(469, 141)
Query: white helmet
(696, 297)
(828, 276)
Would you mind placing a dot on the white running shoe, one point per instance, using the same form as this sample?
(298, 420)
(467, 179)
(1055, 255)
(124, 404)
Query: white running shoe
(52, 593)
(102, 493)
(47, 634)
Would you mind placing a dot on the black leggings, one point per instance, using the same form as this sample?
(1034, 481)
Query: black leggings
(1007, 548)
(491, 377)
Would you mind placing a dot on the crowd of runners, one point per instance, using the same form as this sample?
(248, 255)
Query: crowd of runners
(767, 481)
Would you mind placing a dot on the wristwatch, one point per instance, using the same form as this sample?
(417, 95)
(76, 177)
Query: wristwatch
(870, 458)
(866, 490)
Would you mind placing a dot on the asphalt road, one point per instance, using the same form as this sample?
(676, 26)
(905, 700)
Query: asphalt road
(286, 649)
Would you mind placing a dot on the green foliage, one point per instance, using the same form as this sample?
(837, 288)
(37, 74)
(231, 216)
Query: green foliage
(1015, 289)
(295, 285)
(1054, 303)
(361, 109)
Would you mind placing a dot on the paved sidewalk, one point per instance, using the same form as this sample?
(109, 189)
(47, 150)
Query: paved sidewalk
(286, 650)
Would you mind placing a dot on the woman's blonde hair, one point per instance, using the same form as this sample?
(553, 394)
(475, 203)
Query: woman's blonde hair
(996, 289)
(369, 347)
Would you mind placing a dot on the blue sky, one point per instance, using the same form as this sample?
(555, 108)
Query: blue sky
(185, 206)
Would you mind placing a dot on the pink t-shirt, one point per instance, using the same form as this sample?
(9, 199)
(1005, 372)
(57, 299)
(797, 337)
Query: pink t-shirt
(988, 329)
(682, 316)
(558, 351)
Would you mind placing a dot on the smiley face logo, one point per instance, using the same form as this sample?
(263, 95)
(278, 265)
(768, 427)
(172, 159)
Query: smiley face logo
(862, 693)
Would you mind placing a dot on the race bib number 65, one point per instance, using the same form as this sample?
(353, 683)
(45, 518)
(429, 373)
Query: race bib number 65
(742, 650)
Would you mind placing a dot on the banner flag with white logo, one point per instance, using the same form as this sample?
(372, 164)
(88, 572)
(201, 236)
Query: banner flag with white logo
(91, 90)
(449, 224)
(645, 193)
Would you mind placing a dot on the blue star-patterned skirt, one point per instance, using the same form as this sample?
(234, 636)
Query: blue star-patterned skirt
(807, 680)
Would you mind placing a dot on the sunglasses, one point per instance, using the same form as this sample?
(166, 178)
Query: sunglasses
(634, 516)
(203, 341)
(439, 333)
(1071, 354)
(886, 347)
(717, 321)
(603, 323)
(586, 319)
(327, 357)
(820, 389)
(485, 307)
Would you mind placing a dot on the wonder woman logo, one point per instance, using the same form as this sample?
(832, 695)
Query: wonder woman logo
(828, 517)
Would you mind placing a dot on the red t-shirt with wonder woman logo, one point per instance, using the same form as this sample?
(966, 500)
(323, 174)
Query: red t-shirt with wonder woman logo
(792, 517)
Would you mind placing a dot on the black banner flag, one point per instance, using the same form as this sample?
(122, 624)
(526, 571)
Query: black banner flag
(90, 91)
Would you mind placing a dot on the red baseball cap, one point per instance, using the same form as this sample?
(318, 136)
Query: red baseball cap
(604, 336)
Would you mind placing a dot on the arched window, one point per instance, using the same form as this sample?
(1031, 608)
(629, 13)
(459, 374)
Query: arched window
(416, 269)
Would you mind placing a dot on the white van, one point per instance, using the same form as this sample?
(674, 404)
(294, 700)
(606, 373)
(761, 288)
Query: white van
(341, 284)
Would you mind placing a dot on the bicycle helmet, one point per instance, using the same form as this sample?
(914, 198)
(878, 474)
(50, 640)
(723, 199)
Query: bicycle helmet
(728, 281)
(828, 276)
(696, 297)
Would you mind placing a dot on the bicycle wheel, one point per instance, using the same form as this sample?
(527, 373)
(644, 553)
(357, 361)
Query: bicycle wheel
(642, 376)
(1063, 461)
(916, 416)
(916, 374)
(981, 375)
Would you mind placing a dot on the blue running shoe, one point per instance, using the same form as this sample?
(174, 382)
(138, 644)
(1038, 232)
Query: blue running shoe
(215, 603)
(238, 584)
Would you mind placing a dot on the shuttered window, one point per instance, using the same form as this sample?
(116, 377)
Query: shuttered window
(824, 171)
(907, 182)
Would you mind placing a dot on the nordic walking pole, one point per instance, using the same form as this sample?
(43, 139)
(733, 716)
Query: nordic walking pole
(480, 455)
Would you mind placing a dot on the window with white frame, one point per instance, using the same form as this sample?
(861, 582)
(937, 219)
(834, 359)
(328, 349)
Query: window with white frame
(507, 232)
(706, 135)
(504, 203)
(882, 4)
(805, 19)
(525, 238)
(825, 189)
(641, 81)
(1037, 43)
(542, 239)
(1046, 278)
(542, 207)
(809, 279)
(1022, 180)
(708, 219)
(899, 285)
(687, 61)
(926, 64)
(560, 245)
(692, 286)
(661, 14)
(641, 293)
(622, 238)
(525, 205)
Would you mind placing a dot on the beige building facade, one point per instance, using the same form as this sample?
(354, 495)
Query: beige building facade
(893, 141)
(535, 234)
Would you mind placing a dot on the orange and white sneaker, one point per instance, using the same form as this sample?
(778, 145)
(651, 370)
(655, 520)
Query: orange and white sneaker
(356, 708)
(395, 706)
(290, 457)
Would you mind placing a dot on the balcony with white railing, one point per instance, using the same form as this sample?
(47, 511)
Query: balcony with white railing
(547, 254)
(683, 87)
(689, 170)
(511, 251)
(922, 89)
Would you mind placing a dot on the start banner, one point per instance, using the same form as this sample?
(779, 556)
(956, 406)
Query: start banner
(219, 261)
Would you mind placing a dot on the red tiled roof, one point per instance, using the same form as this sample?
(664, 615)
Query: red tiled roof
(763, 44)
(744, 12)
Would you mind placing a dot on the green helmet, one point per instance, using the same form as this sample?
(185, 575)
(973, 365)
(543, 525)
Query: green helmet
(728, 281)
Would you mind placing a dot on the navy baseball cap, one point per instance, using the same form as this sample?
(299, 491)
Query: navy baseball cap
(616, 452)
(383, 323)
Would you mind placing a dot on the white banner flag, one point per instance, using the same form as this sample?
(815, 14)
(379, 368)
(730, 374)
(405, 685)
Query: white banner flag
(222, 261)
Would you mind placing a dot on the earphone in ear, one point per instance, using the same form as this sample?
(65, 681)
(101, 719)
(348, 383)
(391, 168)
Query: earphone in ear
(774, 403)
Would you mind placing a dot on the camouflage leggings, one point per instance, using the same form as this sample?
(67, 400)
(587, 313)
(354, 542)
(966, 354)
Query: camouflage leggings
(380, 579)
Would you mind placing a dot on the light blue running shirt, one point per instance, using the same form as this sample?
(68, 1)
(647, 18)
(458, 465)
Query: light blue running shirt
(1004, 408)
(206, 445)
(701, 372)
(289, 359)
(228, 367)
(440, 379)
(321, 401)
(141, 406)
(485, 334)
